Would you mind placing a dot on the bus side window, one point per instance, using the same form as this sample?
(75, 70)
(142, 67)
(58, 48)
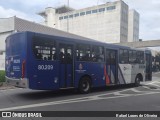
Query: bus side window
(37, 53)
(133, 56)
(97, 54)
(130, 56)
(140, 57)
(124, 55)
(83, 52)
(121, 56)
(43, 48)
(69, 55)
(113, 58)
(61, 54)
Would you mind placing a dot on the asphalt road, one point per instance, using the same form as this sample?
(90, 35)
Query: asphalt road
(122, 98)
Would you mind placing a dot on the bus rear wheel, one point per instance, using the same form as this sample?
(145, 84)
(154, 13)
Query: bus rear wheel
(85, 85)
(137, 81)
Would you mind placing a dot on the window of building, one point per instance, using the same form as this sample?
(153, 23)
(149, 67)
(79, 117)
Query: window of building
(65, 17)
(82, 13)
(123, 56)
(101, 9)
(97, 54)
(83, 52)
(44, 48)
(60, 18)
(76, 15)
(70, 16)
(94, 11)
(111, 7)
(88, 12)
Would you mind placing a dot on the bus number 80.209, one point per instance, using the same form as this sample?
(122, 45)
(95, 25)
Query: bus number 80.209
(45, 67)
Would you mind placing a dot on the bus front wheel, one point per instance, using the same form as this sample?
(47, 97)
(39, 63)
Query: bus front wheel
(85, 85)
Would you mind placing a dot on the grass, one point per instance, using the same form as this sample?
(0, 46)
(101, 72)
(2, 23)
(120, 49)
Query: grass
(2, 76)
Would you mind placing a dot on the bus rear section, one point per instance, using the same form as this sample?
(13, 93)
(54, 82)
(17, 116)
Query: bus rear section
(16, 60)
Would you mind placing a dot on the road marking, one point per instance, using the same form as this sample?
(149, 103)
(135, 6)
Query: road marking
(117, 93)
(147, 87)
(137, 91)
(154, 84)
(83, 99)
(156, 73)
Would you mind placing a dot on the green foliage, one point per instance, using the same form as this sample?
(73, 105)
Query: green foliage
(2, 76)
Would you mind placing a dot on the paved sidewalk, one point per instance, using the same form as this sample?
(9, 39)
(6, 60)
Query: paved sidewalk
(4, 86)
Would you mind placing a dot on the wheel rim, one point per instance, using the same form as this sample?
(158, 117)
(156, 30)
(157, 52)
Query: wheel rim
(137, 80)
(85, 86)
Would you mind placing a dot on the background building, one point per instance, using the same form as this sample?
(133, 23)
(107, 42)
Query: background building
(14, 24)
(111, 22)
(2, 59)
(133, 27)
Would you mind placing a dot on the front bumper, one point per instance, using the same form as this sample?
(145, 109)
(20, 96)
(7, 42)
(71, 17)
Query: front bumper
(22, 83)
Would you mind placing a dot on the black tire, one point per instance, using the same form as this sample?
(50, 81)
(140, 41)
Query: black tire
(137, 81)
(85, 85)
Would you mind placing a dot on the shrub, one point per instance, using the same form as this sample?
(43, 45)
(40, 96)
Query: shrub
(2, 76)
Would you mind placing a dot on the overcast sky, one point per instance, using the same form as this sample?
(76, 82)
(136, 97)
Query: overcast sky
(149, 11)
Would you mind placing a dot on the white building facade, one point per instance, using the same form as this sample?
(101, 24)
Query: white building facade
(107, 22)
(2, 59)
(133, 28)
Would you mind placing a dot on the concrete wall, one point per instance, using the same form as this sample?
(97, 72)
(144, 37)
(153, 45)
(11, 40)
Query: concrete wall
(3, 37)
(2, 60)
(6, 24)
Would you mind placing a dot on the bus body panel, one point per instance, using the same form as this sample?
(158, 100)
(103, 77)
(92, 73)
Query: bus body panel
(94, 70)
(15, 55)
(15, 59)
(46, 74)
(41, 74)
(130, 71)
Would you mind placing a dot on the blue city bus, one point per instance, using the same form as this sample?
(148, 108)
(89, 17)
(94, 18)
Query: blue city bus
(45, 62)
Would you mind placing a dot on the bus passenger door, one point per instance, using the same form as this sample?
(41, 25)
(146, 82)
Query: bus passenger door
(66, 65)
(111, 66)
